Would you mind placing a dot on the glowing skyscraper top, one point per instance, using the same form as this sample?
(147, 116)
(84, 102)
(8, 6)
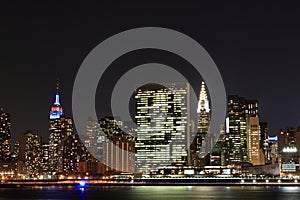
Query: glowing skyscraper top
(56, 109)
(203, 137)
(203, 103)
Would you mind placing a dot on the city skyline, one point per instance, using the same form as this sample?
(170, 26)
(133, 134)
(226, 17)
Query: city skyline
(161, 144)
(56, 111)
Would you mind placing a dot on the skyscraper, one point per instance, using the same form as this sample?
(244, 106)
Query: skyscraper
(243, 131)
(162, 118)
(45, 168)
(253, 141)
(5, 136)
(203, 137)
(30, 154)
(71, 150)
(236, 136)
(63, 142)
(56, 109)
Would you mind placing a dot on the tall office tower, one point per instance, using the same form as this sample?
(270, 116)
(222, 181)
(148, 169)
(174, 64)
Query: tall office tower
(236, 130)
(5, 136)
(30, 154)
(62, 140)
(162, 117)
(253, 141)
(239, 131)
(254, 152)
(203, 137)
(57, 131)
(70, 154)
(62, 146)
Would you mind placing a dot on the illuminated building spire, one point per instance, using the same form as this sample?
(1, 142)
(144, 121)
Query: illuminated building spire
(56, 102)
(56, 109)
(203, 103)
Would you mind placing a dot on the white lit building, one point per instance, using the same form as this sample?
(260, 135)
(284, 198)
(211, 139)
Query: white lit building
(162, 118)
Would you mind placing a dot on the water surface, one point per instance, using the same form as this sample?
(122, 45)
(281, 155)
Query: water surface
(152, 192)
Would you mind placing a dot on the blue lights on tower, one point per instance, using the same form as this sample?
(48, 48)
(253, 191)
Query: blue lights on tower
(56, 109)
(57, 103)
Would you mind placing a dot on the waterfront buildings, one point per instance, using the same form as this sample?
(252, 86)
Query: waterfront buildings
(160, 143)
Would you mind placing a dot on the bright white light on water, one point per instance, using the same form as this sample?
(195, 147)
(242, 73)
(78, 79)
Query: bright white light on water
(189, 187)
(290, 188)
(82, 183)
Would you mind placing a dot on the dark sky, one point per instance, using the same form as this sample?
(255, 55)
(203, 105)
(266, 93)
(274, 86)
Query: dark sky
(255, 44)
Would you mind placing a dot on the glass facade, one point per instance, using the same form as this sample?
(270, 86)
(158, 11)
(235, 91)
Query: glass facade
(243, 131)
(162, 118)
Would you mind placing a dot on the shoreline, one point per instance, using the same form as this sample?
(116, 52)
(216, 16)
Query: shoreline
(156, 182)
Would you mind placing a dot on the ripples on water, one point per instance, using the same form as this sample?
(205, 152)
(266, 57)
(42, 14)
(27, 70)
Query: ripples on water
(152, 192)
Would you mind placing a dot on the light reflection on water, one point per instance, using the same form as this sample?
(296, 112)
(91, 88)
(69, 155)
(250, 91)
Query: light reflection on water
(152, 192)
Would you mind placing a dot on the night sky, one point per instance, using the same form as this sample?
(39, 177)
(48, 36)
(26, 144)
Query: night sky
(255, 44)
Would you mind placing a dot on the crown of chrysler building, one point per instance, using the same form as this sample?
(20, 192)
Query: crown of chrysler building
(203, 103)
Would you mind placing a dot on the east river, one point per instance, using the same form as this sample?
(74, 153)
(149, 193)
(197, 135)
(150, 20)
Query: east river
(152, 192)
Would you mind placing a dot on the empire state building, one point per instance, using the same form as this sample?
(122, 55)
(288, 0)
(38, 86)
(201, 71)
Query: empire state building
(56, 109)
(63, 143)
